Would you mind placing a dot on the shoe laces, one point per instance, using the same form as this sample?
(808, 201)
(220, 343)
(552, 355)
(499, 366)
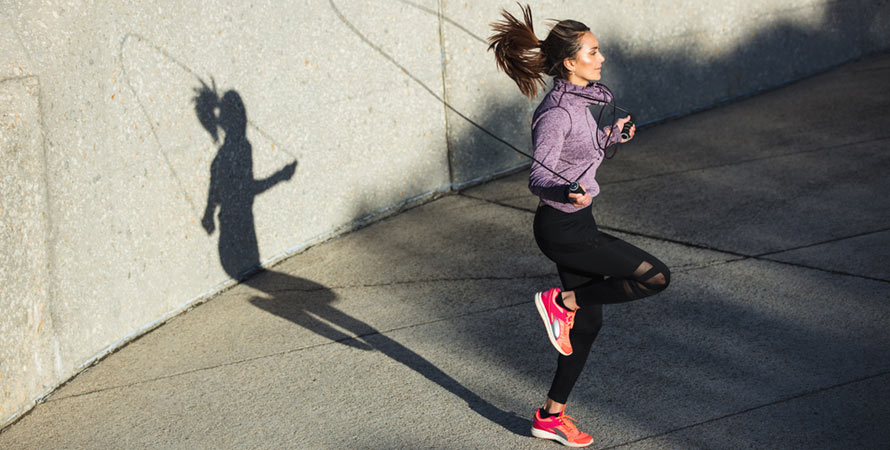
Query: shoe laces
(570, 320)
(569, 422)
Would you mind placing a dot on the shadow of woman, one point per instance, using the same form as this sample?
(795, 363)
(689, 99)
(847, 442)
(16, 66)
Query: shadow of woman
(232, 186)
(303, 302)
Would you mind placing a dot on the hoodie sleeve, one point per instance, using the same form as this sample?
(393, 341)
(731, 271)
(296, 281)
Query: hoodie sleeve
(548, 136)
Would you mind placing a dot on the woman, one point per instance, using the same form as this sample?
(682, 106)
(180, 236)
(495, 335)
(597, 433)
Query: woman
(594, 268)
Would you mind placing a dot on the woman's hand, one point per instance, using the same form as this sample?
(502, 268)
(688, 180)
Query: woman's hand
(578, 200)
(286, 172)
(620, 124)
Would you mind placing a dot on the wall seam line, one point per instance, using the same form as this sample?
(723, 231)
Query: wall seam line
(449, 150)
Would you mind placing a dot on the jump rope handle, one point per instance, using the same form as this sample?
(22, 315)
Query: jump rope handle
(625, 132)
(575, 188)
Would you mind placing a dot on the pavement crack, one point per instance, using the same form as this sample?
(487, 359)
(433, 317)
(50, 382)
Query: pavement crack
(816, 244)
(822, 269)
(694, 267)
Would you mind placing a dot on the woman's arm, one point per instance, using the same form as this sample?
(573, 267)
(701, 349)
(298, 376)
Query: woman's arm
(548, 136)
(284, 174)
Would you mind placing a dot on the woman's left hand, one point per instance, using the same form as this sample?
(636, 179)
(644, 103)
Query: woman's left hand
(580, 200)
(620, 124)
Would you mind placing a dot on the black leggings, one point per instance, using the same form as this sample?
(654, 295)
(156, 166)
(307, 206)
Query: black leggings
(600, 269)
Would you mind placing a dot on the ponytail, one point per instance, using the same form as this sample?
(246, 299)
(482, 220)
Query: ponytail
(517, 51)
(524, 58)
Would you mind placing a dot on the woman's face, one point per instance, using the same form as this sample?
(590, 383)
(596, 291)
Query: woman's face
(587, 63)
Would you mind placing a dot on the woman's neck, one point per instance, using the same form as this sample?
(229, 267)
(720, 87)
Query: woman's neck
(577, 81)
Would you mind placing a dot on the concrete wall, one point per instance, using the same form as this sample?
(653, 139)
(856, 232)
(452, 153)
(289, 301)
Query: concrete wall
(349, 110)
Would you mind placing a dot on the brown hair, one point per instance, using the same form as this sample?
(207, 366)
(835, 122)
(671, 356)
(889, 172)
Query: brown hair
(520, 54)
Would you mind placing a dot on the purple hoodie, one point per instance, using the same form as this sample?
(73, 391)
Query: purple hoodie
(563, 138)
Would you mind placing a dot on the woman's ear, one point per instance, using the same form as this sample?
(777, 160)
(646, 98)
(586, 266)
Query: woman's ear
(569, 64)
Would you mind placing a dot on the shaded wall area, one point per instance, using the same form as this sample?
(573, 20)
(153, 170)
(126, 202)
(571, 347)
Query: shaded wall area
(155, 154)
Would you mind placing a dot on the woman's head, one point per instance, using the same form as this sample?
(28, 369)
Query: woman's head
(214, 112)
(566, 53)
(232, 114)
(585, 66)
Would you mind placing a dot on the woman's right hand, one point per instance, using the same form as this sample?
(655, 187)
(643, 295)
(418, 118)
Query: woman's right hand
(619, 124)
(578, 200)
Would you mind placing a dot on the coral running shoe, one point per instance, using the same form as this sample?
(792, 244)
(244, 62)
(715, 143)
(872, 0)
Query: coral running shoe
(561, 429)
(557, 320)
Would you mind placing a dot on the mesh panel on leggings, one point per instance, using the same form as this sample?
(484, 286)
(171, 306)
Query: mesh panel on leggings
(647, 280)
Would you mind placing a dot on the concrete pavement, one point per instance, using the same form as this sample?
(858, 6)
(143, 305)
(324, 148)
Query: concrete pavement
(419, 331)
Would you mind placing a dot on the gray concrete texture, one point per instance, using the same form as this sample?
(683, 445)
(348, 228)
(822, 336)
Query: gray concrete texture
(419, 331)
(330, 114)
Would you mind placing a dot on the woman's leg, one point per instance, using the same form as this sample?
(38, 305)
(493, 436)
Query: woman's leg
(613, 271)
(630, 273)
(588, 321)
(568, 368)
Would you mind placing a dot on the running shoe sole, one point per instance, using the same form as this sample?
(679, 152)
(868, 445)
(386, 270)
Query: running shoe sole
(542, 434)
